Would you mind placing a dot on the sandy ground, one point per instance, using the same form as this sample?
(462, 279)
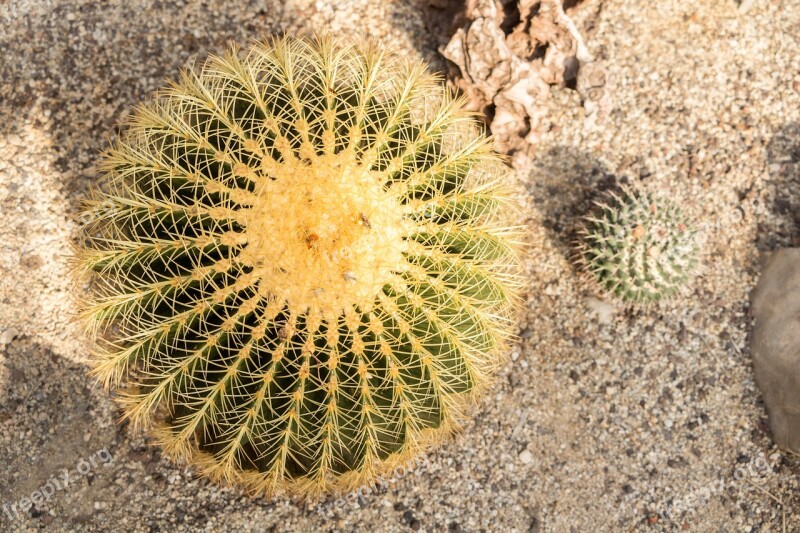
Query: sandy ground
(606, 419)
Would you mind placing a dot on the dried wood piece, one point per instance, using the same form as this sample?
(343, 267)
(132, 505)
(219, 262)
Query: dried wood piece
(509, 54)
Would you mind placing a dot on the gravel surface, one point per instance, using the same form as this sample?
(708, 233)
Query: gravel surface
(606, 419)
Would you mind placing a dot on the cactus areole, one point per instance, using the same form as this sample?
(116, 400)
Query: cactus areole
(308, 270)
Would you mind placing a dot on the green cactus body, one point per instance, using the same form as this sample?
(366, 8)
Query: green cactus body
(308, 270)
(638, 247)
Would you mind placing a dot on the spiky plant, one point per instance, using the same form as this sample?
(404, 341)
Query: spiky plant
(639, 247)
(308, 270)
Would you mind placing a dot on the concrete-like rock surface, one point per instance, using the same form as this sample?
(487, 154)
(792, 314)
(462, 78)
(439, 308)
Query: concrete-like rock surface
(775, 344)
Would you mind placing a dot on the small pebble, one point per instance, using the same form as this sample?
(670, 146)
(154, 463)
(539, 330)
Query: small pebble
(8, 335)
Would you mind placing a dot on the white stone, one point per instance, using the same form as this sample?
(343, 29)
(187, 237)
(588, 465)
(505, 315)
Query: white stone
(7, 335)
(605, 311)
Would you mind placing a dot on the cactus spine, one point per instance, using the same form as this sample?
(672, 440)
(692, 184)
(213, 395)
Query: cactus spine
(309, 269)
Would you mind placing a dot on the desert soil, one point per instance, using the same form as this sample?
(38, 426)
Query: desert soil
(605, 418)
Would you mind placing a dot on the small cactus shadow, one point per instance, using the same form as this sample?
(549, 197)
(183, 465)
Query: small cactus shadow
(781, 224)
(563, 184)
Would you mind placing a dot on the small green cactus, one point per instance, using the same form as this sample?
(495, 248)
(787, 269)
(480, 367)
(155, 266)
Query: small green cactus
(308, 270)
(639, 247)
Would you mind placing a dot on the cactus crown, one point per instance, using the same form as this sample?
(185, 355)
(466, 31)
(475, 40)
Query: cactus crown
(308, 269)
(639, 247)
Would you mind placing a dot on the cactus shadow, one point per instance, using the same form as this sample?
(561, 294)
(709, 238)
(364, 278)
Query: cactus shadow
(563, 183)
(779, 226)
(53, 412)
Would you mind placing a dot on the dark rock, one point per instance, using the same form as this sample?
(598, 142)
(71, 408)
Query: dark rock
(775, 344)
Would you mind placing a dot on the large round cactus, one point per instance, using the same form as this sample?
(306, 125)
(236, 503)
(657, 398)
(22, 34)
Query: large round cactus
(639, 247)
(307, 269)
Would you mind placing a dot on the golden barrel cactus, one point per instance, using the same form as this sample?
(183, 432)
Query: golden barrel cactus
(308, 269)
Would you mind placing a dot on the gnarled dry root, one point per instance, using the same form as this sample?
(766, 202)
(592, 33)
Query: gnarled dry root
(509, 53)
